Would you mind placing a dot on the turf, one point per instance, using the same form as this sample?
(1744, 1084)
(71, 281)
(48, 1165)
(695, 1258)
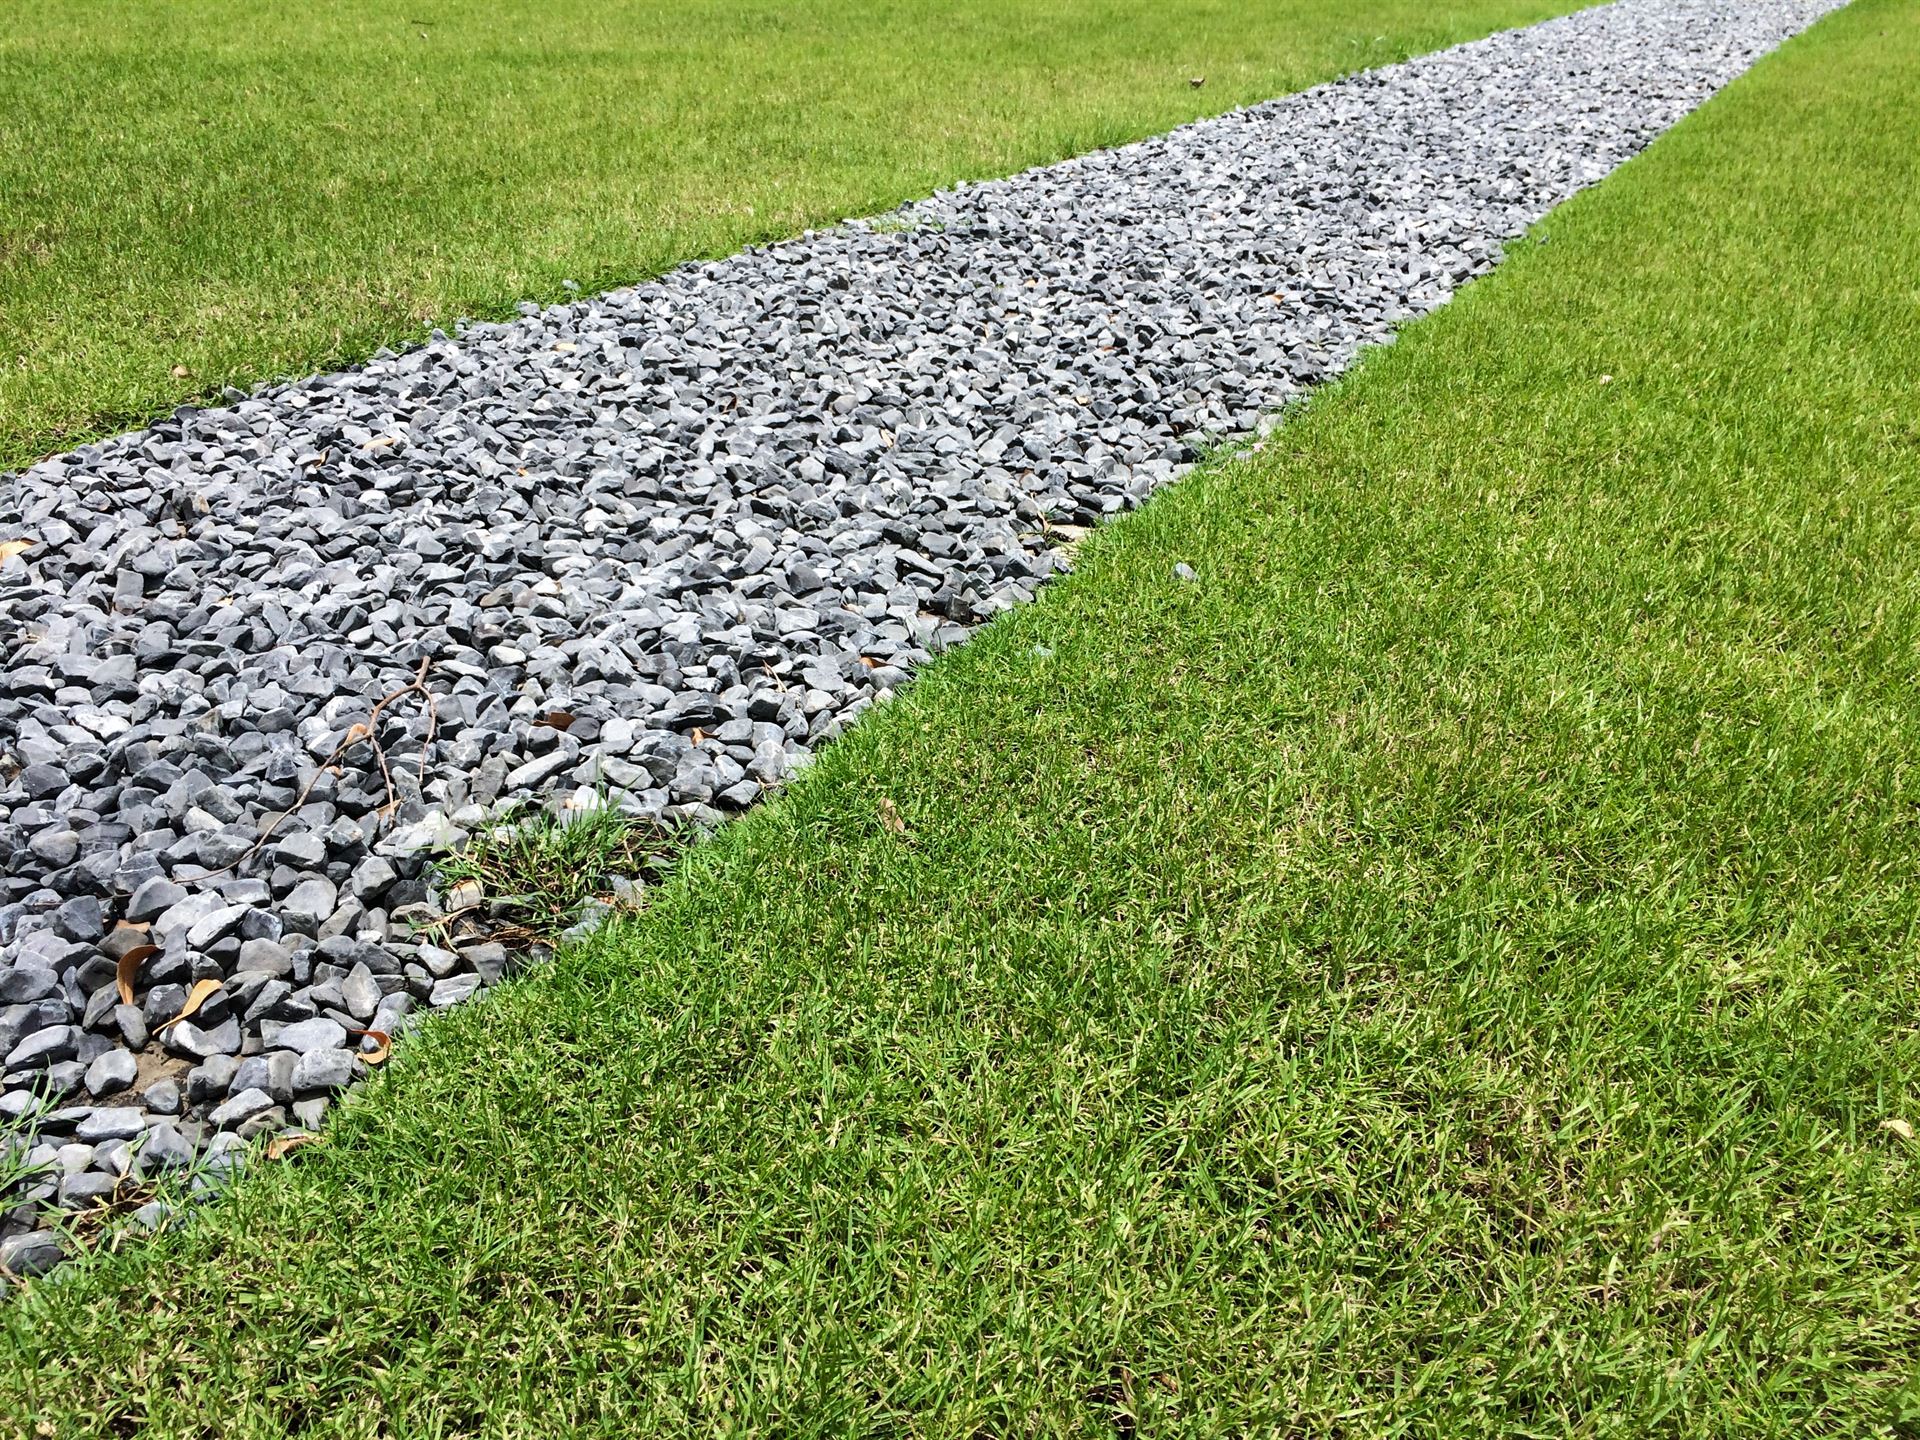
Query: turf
(1442, 972)
(199, 195)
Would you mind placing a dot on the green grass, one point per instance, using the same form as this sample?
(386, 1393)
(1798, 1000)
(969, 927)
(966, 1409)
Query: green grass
(534, 872)
(1441, 973)
(240, 191)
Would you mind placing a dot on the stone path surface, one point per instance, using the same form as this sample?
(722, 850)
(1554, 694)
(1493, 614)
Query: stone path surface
(714, 518)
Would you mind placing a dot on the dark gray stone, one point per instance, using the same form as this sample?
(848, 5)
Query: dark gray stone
(31, 1254)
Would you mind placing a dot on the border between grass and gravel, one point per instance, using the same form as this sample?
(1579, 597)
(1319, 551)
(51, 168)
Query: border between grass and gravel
(1206, 454)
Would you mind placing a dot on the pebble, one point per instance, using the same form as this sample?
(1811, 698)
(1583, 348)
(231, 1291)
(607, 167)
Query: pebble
(111, 1071)
(110, 1122)
(31, 1253)
(309, 1035)
(323, 1070)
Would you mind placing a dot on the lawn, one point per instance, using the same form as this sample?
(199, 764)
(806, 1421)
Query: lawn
(199, 195)
(1444, 971)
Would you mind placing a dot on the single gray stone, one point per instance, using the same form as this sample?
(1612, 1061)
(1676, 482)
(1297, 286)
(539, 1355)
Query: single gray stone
(489, 960)
(31, 1254)
(241, 1105)
(215, 926)
(43, 1048)
(77, 1192)
(268, 957)
(361, 993)
(189, 1039)
(323, 1070)
(154, 898)
(111, 1072)
(27, 982)
(372, 877)
(162, 1097)
(310, 1035)
(163, 1148)
(110, 1122)
(453, 990)
(311, 1111)
(152, 1216)
(80, 919)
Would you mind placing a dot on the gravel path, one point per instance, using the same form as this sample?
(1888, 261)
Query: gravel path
(714, 517)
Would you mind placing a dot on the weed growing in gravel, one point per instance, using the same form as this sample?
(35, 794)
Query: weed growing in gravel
(16, 1140)
(535, 872)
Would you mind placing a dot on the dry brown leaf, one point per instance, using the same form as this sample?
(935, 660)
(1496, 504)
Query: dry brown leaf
(1898, 1127)
(383, 1045)
(196, 997)
(284, 1145)
(556, 719)
(128, 968)
(11, 548)
(890, 816)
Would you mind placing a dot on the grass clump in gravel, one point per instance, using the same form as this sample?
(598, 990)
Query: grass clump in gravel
(1444, 970)
(533, 873)
(196, 196)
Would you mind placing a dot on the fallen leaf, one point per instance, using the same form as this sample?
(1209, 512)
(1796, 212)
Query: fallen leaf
(284, 1145)
(383, 1045)
(1898, 1127)
(128, 968)
(890, 816)
(11, 548)
(196, 997)
(556, 719)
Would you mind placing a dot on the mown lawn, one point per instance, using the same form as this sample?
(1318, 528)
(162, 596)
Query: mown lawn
(196, 195)
(1443, 972)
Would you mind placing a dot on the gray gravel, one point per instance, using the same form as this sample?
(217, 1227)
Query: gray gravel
(714, 518)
